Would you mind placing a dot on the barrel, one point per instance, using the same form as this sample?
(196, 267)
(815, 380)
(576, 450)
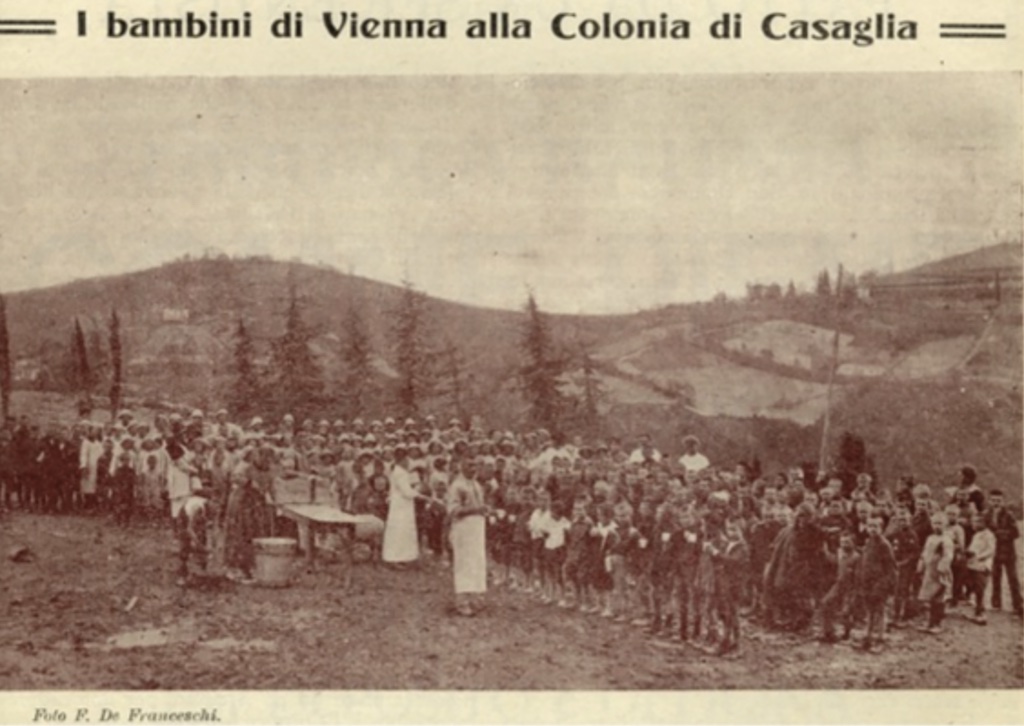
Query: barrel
(274, 559)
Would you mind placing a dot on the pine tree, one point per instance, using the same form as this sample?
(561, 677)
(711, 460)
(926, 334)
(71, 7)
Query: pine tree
(298, 377)
(358, 382)
(6, 379)
(82, 374)
(116, 363)
(592, 395)
(791, 291)
(412, 356)
(540, 372)
(455, 382)
(246, 389)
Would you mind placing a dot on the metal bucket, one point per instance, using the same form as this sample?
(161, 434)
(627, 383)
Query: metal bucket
(275, 557)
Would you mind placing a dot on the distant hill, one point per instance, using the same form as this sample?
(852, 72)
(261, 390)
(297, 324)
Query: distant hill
(1006, 258)
(971, 274)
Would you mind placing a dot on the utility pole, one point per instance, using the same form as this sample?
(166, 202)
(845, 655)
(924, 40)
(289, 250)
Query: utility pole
(823, 453)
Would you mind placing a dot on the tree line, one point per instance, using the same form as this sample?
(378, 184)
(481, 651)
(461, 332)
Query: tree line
(428, 371)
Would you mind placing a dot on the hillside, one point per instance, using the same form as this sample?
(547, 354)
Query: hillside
(750, 377)
(1005, 258)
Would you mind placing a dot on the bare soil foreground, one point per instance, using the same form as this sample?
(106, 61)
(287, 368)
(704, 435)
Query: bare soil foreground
(98, 608)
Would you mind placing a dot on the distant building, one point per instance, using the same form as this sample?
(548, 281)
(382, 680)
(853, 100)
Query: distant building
(175, 315)
(28, 372)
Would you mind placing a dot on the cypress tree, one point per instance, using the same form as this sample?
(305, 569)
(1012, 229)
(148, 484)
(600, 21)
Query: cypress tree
(115, 363)
(6, 379)
(83, 379)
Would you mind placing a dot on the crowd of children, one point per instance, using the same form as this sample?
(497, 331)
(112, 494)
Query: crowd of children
(686, 556)
(686, 549)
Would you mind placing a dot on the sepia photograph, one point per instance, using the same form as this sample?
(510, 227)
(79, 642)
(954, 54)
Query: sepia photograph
(511, 383)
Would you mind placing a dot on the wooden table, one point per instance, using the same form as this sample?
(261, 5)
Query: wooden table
(311, 518)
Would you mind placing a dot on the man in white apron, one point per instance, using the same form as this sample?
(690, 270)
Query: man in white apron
(468, 537)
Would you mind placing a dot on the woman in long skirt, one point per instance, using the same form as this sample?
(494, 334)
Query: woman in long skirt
(401, 541)
(468, 538)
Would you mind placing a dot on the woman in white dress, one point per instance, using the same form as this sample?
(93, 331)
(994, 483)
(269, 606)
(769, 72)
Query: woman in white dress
(401, 540)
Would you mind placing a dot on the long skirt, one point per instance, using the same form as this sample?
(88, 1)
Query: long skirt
(469, 554)
(401, 542)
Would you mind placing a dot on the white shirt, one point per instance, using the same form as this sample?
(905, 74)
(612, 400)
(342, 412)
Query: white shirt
(694, 462)
(556, 530)
(638, 456)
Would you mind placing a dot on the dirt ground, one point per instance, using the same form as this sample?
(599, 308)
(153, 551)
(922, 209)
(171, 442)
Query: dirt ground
(98, 608)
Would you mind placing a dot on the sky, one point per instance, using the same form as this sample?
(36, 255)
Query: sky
(600, 194)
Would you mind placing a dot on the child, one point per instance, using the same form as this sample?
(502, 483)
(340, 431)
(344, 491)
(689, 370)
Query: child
(935, 568)
(501, 536)
(981, 553)
(435, 513)
(625, 544)
(663, 568)
(906, 549)
(603, 582)
(876, 580)
(729, 555)
(638, 563)
(519, 519)
(839, 599)
(955, 531)
(687, 558)
(539, 522)
(921, 518)
(1004, 526)
(553, 556)
(123, 485)
(151, 485)
(575, 553)
(762, 536)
